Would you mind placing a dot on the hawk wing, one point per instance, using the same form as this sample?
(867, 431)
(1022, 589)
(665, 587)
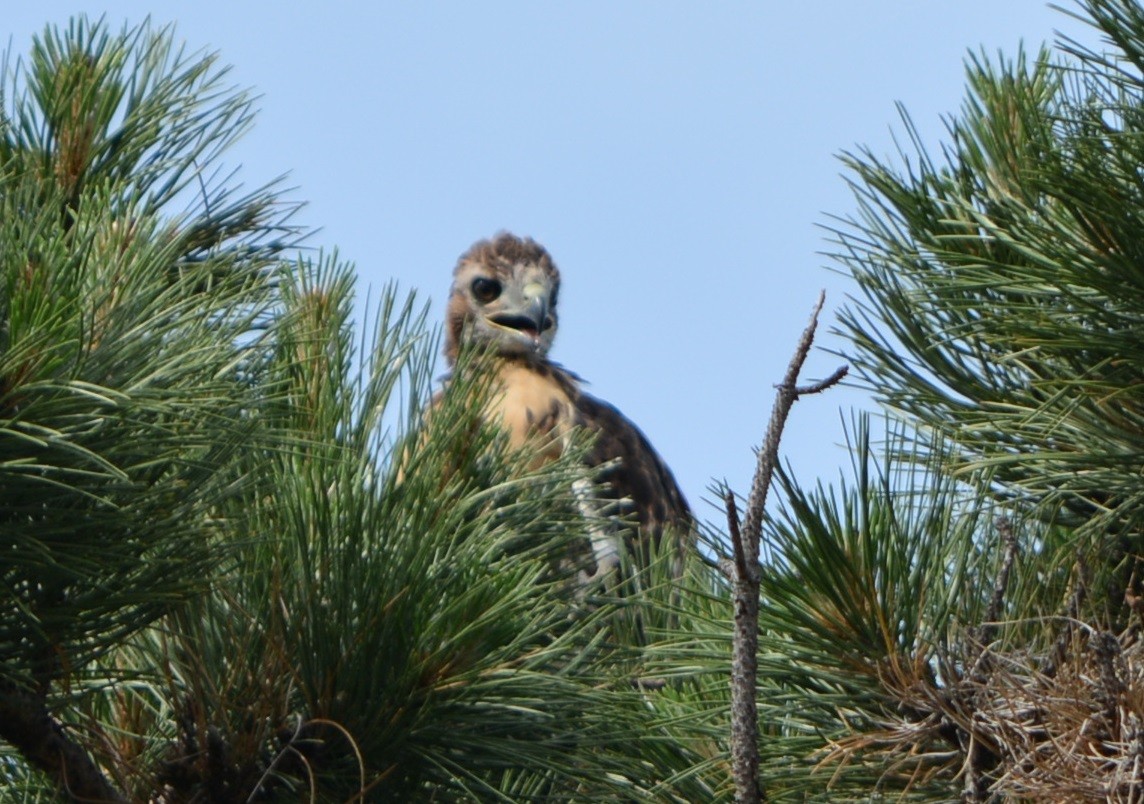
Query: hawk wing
(547, 398)
(541, 398)
(640, 477)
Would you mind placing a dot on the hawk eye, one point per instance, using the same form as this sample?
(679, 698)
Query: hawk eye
(486, 290)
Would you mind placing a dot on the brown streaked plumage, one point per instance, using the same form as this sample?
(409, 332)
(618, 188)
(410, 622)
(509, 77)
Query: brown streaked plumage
(504, 296)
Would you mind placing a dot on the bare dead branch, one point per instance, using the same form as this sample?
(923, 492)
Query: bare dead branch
(787, 393)
(746, 543)
(741, 567)
(820, 386)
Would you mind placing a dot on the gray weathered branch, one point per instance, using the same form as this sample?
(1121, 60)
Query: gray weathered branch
(745, 581)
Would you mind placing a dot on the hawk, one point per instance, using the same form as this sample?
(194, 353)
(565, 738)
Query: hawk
(503, 298)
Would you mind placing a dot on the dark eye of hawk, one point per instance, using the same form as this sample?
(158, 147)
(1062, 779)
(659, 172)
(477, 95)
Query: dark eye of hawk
(485, 290)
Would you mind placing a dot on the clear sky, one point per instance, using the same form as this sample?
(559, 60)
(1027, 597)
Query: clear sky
(677, 158)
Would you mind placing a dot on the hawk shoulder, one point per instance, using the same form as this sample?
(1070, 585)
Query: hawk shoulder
(639, 476)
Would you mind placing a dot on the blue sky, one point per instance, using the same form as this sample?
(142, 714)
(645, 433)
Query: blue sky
(678, 160)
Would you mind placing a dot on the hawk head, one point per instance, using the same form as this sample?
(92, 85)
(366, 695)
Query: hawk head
(504, 298)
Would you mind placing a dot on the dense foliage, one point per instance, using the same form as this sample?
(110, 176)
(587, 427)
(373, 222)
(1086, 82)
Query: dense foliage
(988, 610)
(231, 571)
(236, 566)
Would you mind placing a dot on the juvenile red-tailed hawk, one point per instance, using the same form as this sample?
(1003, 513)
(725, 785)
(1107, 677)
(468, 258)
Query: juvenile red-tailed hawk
(504, 298)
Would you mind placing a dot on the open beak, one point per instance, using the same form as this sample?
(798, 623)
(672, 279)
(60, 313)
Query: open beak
(530, 317)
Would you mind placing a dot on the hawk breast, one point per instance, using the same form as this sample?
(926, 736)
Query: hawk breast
(542, 399)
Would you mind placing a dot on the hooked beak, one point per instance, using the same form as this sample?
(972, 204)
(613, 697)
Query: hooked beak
(530, 318)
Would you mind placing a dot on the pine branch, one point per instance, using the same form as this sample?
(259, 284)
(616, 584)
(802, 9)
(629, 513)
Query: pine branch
(26, 724)
(745, 578)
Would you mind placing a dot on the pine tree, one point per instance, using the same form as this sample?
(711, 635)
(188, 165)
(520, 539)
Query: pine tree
(961, 616)
(134, 287)
(233, 567)
(236, 567)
